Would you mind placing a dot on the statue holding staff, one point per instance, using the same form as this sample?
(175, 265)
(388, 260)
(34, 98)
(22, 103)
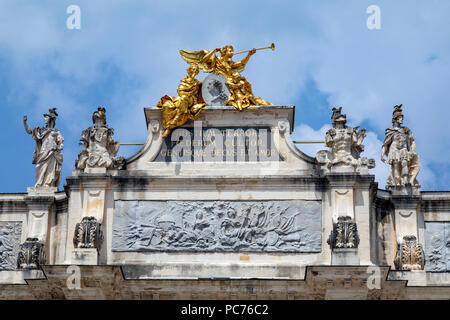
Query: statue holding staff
(47, 155)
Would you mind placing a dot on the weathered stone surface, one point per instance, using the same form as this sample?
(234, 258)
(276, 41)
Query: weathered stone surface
(344, 257)
(437, 246)
(10, 233)
(85, 256)
(286, 226)
(31, 254)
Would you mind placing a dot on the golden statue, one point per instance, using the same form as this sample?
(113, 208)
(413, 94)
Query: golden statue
(176, 111)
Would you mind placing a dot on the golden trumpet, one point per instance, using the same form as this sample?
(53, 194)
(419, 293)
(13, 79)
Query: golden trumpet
(272, 46)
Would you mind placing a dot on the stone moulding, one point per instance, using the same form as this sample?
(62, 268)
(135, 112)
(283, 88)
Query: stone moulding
(217, 226)
(437, 246)
(10, 233)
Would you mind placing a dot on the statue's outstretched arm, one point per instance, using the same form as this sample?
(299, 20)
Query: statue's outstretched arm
(244, 61)
(27, 128)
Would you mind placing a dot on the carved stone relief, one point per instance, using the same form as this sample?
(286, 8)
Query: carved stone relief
(410, 254)
(293, 226)
(344, 234)
(10, 233)
(31, 254)
(437, 246)
(87, 233)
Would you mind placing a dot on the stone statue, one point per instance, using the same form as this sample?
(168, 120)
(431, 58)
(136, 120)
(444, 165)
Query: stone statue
(400, 149)
(99, 145)
(47, 156)
(345, 144)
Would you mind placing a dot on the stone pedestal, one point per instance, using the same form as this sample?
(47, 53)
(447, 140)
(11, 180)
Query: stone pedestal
(85, 256)
(39, 201)
(88, 208)
(344, 257)
(409, 248)
(350, 217)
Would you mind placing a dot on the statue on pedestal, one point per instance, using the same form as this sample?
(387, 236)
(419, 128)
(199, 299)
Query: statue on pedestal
(100, 148)
(47, 155)
(346, 145)
(400, 149)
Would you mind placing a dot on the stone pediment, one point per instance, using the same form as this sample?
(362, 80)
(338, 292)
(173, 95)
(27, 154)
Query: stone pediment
(224, 142)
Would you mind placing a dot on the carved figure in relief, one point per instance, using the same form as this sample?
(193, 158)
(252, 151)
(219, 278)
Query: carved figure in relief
(400, 148)
(221, 226)
(47, 155)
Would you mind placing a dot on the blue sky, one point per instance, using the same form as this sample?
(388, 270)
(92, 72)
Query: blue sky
(126, 56)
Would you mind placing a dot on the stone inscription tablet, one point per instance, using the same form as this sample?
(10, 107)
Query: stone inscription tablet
(234, 144)
(233, 226)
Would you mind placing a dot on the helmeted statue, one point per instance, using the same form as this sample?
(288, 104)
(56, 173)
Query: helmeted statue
(47, 155)
(346, 145)
(400, 149)
(100, 148)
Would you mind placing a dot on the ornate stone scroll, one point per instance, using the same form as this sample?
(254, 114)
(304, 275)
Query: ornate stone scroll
(47, 155)
(410, 255)
(100, 148)
(87, 233)
(345, 145)
(31, 254)
(10, 233)
(284, 226)
(344, 234)
(400, 149)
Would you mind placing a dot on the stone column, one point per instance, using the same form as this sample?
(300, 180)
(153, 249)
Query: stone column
(409, 247)
(32, 252)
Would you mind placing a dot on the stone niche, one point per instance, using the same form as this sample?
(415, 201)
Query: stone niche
(218, 226)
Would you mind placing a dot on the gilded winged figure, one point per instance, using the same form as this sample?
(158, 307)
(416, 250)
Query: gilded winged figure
(176, 111)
